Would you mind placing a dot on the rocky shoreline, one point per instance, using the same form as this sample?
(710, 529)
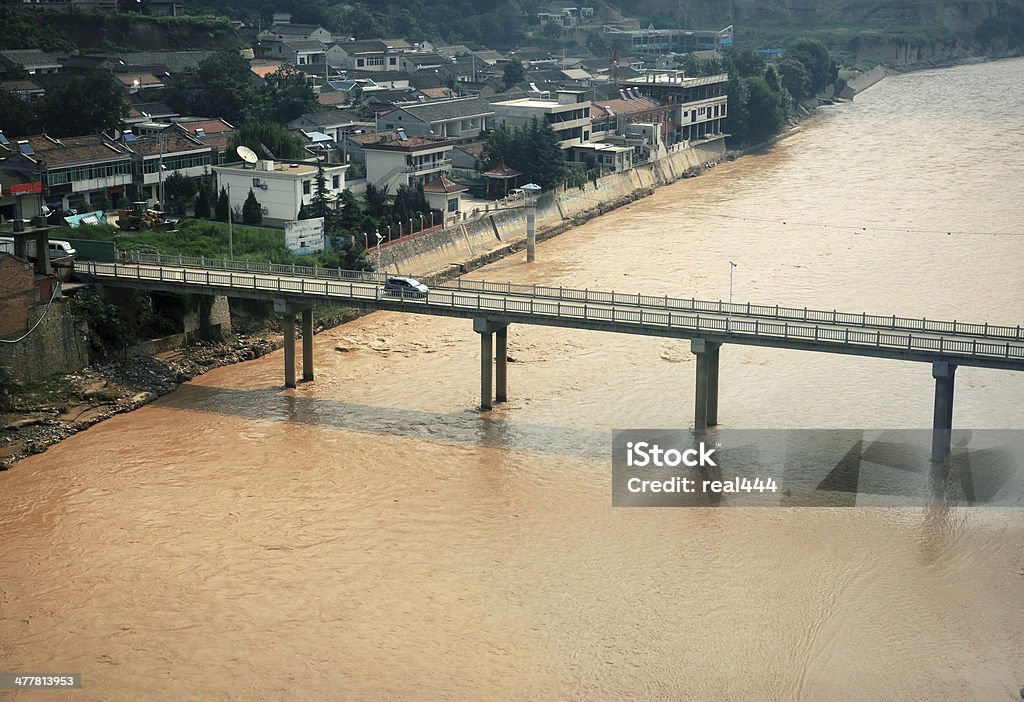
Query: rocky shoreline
(51, 414)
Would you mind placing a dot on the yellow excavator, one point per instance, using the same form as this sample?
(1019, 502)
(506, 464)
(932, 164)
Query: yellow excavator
(139, 217)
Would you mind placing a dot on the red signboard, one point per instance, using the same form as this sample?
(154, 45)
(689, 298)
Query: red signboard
(26, 189)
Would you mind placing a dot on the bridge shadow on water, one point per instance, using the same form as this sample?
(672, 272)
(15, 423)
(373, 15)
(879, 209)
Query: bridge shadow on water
(813, 467)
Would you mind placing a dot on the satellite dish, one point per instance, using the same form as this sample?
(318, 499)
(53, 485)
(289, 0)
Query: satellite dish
(247, 154)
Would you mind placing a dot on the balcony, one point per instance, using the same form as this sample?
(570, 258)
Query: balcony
(443, 164)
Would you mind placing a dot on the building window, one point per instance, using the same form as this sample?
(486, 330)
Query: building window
(360, 63)
(453, 205)
(392, 61)
(305, 187)
(336, 181)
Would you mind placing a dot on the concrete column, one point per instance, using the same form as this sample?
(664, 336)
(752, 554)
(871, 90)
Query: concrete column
(307, 343)
(942, 422)
(700, 405)
(712, 410)
(486, 354)
(501, 365)
(288, 322)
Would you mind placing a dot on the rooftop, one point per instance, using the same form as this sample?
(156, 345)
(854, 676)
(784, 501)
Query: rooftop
(440, 184)
(167, 143)
(286, 169)
(412, 143)
(440, 110)
(71, 151)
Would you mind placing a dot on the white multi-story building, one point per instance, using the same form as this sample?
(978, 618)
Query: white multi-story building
(280, 188)
(407, 161)
(568, 115)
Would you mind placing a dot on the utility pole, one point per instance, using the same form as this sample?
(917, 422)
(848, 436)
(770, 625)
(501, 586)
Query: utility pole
(231, 233)
(161, 170)
(531, 190)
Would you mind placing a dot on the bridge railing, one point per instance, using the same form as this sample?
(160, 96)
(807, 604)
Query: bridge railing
(748, 309)
(628, 315)
(221, 264)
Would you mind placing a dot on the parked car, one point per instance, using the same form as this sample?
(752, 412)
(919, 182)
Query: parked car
(403, 286)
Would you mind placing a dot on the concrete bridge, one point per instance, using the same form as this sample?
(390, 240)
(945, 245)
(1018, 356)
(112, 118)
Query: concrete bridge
(494, 306)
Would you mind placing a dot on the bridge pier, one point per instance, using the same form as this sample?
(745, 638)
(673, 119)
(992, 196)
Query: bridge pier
(288, 312)
(942, 420)
(307, 343)
(705, 411)
(288, 323)
(486, 329)
(501, 365)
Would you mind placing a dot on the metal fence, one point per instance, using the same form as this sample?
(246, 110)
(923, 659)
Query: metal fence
(629, 314)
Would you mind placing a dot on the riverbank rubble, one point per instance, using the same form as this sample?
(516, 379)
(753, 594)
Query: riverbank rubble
(50, 411)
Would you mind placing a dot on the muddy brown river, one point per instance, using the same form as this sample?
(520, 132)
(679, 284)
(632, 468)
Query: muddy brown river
(372, 536)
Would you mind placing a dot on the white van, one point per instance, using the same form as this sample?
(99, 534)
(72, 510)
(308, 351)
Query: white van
(58, 247)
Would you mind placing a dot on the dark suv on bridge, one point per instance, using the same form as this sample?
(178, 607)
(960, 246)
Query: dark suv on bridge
(403, 286)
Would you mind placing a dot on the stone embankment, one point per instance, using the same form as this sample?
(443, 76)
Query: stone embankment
(489, 234)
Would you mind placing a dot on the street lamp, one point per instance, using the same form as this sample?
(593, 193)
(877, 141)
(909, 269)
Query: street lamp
(531, 190)
(380, 238)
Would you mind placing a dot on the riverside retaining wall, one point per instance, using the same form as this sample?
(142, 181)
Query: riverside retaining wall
(58, 345)
(489, 231)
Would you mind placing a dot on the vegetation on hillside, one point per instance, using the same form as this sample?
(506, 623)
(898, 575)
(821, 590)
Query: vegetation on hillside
(42, 28)
(85, 105)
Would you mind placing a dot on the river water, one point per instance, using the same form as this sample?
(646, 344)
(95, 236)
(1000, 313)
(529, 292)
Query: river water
(370, 535)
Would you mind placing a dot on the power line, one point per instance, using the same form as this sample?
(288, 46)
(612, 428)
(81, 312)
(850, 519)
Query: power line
(56, 289)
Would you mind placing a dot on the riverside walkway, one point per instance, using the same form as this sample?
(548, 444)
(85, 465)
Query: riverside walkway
(493, 306)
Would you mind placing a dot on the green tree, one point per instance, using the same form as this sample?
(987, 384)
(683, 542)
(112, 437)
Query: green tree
(268, 139)
(285, 95)
(737, 121)
(795, 78)
(203, 202)
(86, 105)
(767, 113)
(223, 208)
(180, 189)
(533, 149)
(320, 207)
(252, 211)
(513, 73)
(223, 86)
(376, 200)
(815, 58)
(17, 118)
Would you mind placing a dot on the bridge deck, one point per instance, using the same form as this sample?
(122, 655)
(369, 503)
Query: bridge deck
(833, 332)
